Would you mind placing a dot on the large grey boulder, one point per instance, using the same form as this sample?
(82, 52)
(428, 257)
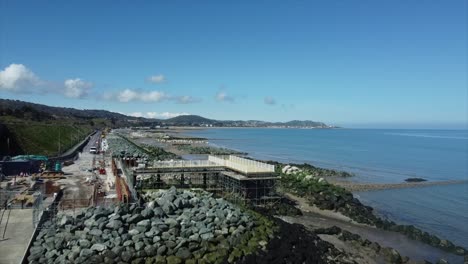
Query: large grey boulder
(168, 208)
(98, 247)
(134, 219)
(207, 236)
(86, 252)
(133, 232)
(114, 224)
(89, 222)
(159, 212)
(139, 246)
(161, 250)
(144, 223)
(171, 222)
(95, 232)
(184, 253)
(147, 213)
(84, 243)
(66, 219)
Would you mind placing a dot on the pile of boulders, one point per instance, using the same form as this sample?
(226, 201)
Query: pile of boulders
(172, 227)
(308, 169)
(301, 174)
(288, 169)
(121, 147)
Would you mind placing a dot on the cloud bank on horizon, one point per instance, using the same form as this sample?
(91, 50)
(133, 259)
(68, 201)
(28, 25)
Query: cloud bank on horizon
(157, 115)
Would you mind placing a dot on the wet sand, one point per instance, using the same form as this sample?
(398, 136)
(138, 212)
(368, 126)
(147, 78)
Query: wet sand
(362, 187)
(315, 218)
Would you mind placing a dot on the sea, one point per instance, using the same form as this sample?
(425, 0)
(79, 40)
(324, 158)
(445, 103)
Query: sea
(377, 156)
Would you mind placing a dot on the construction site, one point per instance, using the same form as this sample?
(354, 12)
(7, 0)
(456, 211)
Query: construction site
(238, 179)
(33, 189)
(111, 176)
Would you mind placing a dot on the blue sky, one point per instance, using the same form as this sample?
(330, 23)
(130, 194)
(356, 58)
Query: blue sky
(352, 63)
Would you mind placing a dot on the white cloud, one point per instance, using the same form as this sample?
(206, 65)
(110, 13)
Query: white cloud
(136, 114)
(152, 115)
(18, 78)
(222, 96)
(159, 78)
(153, 96)
(186, 99)
(129, 95)
(269, 100)
(158, 115)
(76, 88)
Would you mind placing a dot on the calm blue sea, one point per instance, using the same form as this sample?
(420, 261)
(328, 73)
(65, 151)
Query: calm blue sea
(376, 155)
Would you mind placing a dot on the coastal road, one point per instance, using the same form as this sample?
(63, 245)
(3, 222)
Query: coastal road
(75, 185)
(93, 142)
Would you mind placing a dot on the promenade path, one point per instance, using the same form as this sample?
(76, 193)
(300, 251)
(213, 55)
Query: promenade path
(17, 236)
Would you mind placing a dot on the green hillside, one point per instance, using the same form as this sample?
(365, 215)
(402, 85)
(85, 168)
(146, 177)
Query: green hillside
(48, 139)
(27, 128)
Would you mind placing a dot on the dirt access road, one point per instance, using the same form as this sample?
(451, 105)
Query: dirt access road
(76, 185)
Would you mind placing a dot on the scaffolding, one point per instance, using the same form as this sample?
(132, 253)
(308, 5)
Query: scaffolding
(242, 190)
(237, 179)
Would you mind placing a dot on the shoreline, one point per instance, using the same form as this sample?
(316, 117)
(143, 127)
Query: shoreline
(354, 187)
(314, 218)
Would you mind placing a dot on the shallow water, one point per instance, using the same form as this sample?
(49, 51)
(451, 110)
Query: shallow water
(441, 210)
(376, 155)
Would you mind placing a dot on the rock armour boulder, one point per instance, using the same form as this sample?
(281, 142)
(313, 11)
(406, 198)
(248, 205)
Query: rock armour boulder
(176, 225)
